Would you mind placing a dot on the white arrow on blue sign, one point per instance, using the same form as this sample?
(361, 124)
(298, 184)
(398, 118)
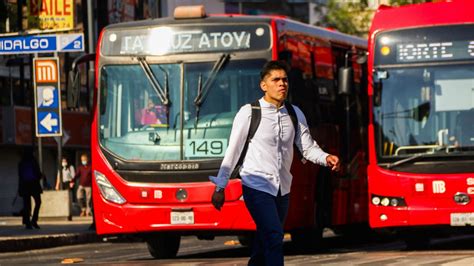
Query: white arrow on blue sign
(49, 122)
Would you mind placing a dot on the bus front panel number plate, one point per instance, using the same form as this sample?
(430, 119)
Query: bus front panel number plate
(462, 219)
(182, 217)
(205, 147)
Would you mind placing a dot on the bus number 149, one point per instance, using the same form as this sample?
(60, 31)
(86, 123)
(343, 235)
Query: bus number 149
(205, 147)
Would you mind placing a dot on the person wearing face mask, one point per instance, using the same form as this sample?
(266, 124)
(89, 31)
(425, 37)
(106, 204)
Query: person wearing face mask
(84, 174)
(68, 174)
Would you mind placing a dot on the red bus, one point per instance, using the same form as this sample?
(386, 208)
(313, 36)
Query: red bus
(421, 135)
(189, 76)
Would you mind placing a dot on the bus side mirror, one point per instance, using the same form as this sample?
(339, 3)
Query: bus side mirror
(73, 89)
(345, 80)
(379, 76)
(74, 80)
(361, 59)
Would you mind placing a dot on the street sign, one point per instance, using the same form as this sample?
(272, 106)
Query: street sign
(73, 42)
(47, 97)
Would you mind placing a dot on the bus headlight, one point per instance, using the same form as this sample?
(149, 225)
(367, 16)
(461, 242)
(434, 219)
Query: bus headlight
(385, 202)
(107, 190)
(375, 200)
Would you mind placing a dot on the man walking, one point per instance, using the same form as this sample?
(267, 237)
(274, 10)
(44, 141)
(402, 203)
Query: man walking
(84, 173)
(29, 186)
(265, 171)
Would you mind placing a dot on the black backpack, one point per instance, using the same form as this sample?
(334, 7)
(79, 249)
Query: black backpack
(254, 123)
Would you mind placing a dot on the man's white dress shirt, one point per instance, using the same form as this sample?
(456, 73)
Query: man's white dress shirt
(266, 166)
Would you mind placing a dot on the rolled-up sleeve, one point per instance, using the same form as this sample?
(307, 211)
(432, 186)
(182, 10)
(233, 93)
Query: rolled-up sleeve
(237, 139)
(306, 144)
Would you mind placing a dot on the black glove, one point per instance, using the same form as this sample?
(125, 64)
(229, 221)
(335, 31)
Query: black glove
(218, 198)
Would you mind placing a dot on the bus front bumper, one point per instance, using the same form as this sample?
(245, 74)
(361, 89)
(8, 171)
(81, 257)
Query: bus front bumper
(131, 218)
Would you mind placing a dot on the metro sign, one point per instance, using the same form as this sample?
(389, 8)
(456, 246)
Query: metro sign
(46, 71)
(47, 97)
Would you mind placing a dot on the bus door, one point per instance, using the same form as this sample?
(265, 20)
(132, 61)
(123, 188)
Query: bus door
(351, 184)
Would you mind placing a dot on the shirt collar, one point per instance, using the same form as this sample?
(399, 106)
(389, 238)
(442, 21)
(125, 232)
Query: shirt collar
(265, 104)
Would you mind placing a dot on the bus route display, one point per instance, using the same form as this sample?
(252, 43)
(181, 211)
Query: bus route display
(428, 44)
(164, 40)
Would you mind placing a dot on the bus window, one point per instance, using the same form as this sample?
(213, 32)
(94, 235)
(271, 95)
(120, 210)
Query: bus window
(208, 125)
(425, 106)
(137, 124)
(124, 129)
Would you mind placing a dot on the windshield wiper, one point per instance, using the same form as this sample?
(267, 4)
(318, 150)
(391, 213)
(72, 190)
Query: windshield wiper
(406, 160)
(203, 90)
(162, 93)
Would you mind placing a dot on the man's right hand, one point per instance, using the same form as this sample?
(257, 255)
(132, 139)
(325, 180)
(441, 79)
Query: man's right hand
(218, 198)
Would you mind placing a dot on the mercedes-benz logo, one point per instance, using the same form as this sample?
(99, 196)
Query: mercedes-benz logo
(462, 198)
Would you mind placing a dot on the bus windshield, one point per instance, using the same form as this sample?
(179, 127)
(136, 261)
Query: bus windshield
(135, 123)
(425, 110)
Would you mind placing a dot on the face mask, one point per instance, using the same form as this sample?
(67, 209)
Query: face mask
(84, 163)
(64, 164)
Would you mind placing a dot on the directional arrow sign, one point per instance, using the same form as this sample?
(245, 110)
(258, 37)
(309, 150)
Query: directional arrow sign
(48, 122)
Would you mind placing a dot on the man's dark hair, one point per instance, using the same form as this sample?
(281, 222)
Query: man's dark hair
(273, 65)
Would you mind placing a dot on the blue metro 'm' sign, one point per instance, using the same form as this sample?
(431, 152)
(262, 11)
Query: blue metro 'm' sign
(73, 42)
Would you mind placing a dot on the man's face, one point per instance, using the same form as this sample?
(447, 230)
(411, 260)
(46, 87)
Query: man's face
(275, 86)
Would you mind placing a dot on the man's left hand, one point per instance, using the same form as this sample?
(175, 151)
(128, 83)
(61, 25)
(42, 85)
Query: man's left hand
(218, 199)
(333, 162)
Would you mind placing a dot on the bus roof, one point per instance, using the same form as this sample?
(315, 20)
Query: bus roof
(282, 22)
(330, 35)
(427, 14)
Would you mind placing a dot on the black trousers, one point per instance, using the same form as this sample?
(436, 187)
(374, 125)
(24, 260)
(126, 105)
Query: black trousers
(269, 214)
(27, 209)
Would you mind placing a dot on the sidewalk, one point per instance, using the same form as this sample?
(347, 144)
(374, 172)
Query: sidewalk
(54, 232)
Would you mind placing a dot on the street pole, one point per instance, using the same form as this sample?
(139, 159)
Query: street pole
(20, 29)
(40, 144)
(90, 34)
(60, 144)
(90, 29)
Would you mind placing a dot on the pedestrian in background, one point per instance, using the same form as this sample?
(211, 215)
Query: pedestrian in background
(84, 191)
(265, 172)
(68, 174)
(29, 186)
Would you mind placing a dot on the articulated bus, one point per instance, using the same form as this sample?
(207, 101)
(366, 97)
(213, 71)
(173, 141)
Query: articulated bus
(167, 91)
(421, 134)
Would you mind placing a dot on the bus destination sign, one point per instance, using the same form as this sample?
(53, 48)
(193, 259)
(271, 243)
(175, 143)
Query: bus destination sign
(437, 51)
(425, 44)
(166, 40)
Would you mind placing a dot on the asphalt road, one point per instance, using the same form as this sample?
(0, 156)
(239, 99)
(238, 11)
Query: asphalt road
(457, 250)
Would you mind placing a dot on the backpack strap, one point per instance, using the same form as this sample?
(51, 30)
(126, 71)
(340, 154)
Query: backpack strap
(294, 120)
(255, 118)
(292, 114)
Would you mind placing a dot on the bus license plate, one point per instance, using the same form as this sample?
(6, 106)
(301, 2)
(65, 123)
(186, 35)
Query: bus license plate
(462, 219)
(182, 217)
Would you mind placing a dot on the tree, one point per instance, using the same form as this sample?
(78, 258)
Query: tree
(353, 18)
(350, 18)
